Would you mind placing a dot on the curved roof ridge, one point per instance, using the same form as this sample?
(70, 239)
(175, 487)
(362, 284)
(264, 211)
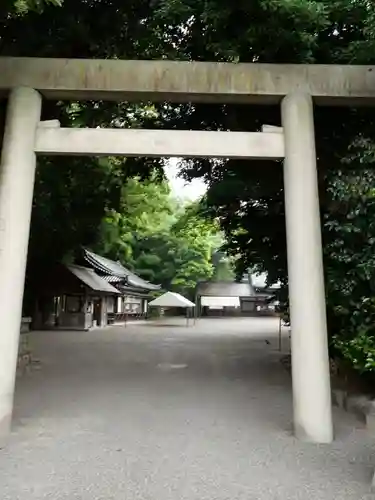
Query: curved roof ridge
(117, 269)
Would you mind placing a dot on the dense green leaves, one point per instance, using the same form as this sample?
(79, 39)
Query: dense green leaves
(161, 240)
(36, 5)
(15, 8)
(349, 230)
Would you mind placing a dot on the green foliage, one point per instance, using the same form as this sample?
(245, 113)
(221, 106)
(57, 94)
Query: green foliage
(363, 50)
(359, 351)
(145, 209)
(23, 6)
(14, 9)
(350, 256)
(223, 267)
(163, 242)
(196, 240)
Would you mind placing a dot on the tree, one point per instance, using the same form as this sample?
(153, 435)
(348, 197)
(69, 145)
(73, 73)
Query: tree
(146, 209)
(36, 5)
(223, 267)
(350, 258)
(160, 240)
(16, 8)
(197, 238)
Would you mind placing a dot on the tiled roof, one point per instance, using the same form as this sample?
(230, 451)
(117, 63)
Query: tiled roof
(117, 270)
(92, 280)
(112, 279)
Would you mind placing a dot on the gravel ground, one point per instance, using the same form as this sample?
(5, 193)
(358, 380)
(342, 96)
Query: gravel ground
(165, 412)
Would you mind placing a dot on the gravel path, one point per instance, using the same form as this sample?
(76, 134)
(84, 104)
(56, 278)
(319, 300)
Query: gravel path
(172, 413)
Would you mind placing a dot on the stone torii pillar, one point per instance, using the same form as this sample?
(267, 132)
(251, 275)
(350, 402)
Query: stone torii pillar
(310, 363)
(17, 173)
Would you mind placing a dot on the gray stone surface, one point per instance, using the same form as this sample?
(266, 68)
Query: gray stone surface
(24, 354)
(169, 412)
(361, 405)
(188, 81)
(370, 422)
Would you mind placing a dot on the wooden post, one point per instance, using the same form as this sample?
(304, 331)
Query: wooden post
(196, 309)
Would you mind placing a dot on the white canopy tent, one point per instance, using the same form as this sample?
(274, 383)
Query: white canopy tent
(171, 300)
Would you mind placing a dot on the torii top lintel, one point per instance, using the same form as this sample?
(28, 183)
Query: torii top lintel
(178, 81)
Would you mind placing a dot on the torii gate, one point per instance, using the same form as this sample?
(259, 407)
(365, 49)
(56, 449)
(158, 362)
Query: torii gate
(27, 80)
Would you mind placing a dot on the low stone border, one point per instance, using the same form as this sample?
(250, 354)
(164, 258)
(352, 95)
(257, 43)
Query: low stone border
(24, 354)
(24, 350)
(363, 406)
(359, 404)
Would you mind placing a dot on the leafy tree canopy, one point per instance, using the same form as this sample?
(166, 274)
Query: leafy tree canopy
(162, 241)
(247, 198)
